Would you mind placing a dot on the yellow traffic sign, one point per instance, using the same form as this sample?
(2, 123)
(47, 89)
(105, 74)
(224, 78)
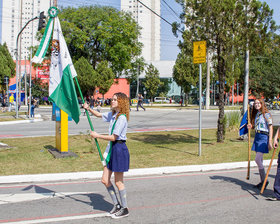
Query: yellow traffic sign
(199, 52)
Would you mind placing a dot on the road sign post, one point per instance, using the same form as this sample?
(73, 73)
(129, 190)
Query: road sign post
(199, 56)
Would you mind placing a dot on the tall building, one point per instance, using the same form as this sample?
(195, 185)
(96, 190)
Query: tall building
(14, 14)
(150, 24)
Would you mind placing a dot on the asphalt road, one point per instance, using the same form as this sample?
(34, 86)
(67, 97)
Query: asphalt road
(194, 198)
(149, 120)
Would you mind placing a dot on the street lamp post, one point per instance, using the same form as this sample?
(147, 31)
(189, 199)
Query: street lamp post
(17, 64)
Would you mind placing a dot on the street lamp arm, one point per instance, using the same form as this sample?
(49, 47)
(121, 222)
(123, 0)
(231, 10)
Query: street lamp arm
(17, 66)
(24, 28)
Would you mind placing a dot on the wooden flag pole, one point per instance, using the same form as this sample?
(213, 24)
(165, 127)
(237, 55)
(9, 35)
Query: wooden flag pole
(268, 170)
(249, 145)
(91, 126)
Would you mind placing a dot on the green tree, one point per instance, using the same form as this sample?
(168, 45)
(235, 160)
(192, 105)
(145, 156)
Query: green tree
(39, 88)
(164, 87)
(101, 34)
(152, 81)
(7, 65)
(264, 71)
(86, 75)
(228, 26)
(105, 77)
(185, 72)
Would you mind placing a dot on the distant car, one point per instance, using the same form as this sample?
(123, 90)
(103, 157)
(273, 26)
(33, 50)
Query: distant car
(162, 100)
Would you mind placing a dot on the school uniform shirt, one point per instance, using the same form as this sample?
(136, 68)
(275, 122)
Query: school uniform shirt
(120, 126)
(261, 123)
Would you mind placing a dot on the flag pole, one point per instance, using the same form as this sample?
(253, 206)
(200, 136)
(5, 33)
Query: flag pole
(89, 121)
(249, 141)
(268, 170)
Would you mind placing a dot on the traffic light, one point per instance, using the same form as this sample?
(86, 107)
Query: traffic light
(6, 79)
(42, 21)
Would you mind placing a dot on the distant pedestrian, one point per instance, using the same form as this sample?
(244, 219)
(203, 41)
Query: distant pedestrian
(262, 123)
(11, 102)
(140, 102)
(118, 162)
(32, 110)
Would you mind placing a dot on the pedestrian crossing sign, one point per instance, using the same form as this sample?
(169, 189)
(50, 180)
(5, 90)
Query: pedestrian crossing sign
(199, 52)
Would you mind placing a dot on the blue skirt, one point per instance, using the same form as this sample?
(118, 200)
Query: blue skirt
(119, 161)
(260, 143)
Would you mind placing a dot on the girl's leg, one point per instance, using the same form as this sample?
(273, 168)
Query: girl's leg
(259, 162)
(106, 180)
(120, 185)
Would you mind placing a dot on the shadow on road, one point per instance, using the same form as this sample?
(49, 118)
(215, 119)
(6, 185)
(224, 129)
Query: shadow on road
(246, 186)
(169, 138)
(96, 200)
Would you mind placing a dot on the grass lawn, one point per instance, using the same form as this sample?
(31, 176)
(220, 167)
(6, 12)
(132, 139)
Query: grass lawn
(149, 149)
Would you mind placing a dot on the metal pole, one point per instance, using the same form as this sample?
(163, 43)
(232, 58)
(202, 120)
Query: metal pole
(207, 103)
(246, 81)
(137, 88)
(25, 80)
(30, 64)
(16, 109)
(17, 65)
(232, 95)
(237, 93)
(200, 102)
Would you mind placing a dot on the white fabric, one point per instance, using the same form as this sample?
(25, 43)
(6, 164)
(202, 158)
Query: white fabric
(60, 57)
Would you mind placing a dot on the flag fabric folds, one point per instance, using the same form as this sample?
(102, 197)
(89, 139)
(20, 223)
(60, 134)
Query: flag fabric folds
(243, 130)
(44, 44)
(62, 88)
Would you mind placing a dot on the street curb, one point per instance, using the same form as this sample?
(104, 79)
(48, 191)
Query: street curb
(20, 121)
(14, 179)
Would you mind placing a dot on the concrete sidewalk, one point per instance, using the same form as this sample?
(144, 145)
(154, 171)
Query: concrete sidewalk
(13, 179)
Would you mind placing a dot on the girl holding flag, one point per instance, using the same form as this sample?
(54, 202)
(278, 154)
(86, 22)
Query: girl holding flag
(116, 154)
(262, 123)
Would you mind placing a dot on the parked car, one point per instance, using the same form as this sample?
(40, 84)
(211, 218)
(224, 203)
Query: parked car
(162, 100)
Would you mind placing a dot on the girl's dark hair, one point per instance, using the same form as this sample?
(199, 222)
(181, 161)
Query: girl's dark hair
(255, 111)
(123, 104)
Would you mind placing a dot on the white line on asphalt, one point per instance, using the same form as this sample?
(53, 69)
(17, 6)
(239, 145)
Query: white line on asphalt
(15, 198)
(58, 219)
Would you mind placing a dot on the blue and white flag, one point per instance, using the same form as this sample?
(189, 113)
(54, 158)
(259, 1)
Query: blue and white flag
(243, 130)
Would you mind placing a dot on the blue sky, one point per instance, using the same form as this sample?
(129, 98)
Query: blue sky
(169, 49)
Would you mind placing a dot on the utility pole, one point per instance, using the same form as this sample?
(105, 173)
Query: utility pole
(246, 81)
(25, 80)
(20, 41)
(17, 63)
(207, 103)
(30, 64)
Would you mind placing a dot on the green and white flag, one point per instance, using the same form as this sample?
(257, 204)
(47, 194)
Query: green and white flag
(62, 88)
(44, 44)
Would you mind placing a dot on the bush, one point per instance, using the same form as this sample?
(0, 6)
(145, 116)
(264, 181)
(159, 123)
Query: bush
(233, 120)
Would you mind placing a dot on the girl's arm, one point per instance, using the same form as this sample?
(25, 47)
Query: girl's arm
(270, 136)
(111, 138)
(276, 137)
(95, 113)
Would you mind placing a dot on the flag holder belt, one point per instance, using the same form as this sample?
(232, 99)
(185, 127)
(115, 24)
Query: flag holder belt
(262, 132)
(120, 141)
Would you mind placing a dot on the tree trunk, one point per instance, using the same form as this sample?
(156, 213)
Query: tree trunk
(221, 101)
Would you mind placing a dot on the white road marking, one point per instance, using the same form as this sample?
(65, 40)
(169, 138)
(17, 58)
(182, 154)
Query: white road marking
(15, 198)
(59, 219)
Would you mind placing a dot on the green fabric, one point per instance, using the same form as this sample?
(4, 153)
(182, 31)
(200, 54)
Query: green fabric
(65, 97)
(44, 44)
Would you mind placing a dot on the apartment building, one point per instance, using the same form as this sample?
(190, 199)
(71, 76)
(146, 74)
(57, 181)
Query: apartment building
(14, 14)
(150, 24)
